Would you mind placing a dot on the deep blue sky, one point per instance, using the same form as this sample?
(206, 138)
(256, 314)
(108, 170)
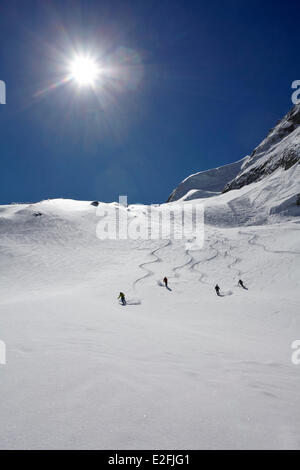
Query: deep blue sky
(212, 78)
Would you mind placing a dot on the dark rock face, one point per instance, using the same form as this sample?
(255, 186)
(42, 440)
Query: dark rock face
(288, 159)
(95, 203)
(288, 156)
(170, 198)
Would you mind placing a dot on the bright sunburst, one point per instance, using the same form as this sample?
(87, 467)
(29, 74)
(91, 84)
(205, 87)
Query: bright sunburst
(84, 70)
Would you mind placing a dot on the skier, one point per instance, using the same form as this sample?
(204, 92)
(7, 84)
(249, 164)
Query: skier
(165, 280)
(217, 289)
(122, 298)
(242, 284)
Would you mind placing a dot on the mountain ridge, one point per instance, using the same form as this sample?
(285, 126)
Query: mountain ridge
(280, 149)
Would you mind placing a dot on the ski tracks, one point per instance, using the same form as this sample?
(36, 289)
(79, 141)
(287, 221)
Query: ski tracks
(144, 265)
(193, 264)
(252, 241)
(197, 263)
(181, 266)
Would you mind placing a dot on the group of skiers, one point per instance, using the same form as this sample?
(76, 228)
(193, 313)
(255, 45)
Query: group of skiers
(165, 281)
(122, 295)
(240, 283)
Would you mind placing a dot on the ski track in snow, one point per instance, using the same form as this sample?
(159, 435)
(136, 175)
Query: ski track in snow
(252, 241)
(218, 253)
(156, 260)
(206, 260)
(181, 266)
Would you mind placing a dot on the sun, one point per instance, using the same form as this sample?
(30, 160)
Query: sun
(84, 70)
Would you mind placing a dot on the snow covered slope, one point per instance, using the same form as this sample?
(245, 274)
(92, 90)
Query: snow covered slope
(268, 180)
(270, 200)
(179, 368)
(206, 183)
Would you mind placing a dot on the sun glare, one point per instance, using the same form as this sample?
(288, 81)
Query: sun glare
(84, 70)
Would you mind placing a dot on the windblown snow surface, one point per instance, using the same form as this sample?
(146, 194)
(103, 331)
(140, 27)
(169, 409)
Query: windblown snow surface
(206, 183)
(176, 369)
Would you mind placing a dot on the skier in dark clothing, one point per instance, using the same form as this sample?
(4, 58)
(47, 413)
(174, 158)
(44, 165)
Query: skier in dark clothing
(217, 289)
(242, 284)
(122, 298)
(165, 280)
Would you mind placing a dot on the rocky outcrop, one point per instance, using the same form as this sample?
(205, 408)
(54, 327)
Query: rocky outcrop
(280, 149)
